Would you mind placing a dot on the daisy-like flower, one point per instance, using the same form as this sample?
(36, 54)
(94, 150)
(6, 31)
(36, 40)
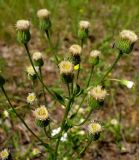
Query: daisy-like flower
(95, 53)
(43, 13)
(38, 60)
(95, 128)
(129, 35)
(98, 93)
(41, 113)
(4, 154)
(6, 114)
(37, 56)
(31, 71)
(66, 67)
(23, 25)
(31, 98)
(84, 24)
(75, 49)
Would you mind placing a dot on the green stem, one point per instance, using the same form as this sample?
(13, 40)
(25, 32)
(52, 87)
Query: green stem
(111, 68)
(91, 73)
(85, 148)
(63, 125)
(22, 120)
(48, 90)
(43, 89)
(68, 89)
(87, 117)
(51, 45)
(78, 72)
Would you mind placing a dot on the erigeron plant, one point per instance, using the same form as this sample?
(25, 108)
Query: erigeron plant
(69, 70)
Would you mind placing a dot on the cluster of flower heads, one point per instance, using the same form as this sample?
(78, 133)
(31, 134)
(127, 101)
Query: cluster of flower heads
(124, 43)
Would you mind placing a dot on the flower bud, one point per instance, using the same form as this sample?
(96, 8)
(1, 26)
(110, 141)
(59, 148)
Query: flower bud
(66, 71)
(2, 81)
(42, 117)
(44, 20)
(31, 73)
(75, 51)
(37, 57)
(83, 30)
(5, 155)
(95, 129)
(126, 41)
(23, 34)
(94, 57)
(128, 84)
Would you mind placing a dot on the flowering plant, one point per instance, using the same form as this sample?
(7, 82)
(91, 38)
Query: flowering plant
(70, 72)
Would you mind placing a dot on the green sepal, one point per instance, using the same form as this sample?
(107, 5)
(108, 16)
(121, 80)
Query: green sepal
(124, 46)
(44, 24)
(67, 78)
(39, 62)
(83, 34)
(23, 36)
(42, 124)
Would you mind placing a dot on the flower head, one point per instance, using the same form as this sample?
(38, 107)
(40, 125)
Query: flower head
(98, 93)
(41, 113)
(4, 154)
(23, 25)
(31, 98)
(66, 67)
(43, 13)
(128, 35)
(37, 56)
(114, 122)
(94, 128)
(31, 71)
(95, 53)
(6, 114)
(75, 49)
(84, 24)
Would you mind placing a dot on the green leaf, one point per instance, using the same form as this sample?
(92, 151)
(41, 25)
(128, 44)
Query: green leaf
(59, 98)
(78, 91)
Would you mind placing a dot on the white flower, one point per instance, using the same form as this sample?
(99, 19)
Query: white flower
(41, 113)
(23, 25)
(75, 49)
(98, 93)
(66, 67)
(35, 151)
(4, 154)
(55, 131)
(6, 114)
(37, 56)
(31, 98)
(31, 71)
(94, 128)
(128, 84)
(43, 13)
(129, 35)
(64, 137)
(95, 53)
(84, 24)
(114, 122)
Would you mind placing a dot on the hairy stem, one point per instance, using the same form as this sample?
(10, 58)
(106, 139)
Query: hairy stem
(22, 120)
(30, 59)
